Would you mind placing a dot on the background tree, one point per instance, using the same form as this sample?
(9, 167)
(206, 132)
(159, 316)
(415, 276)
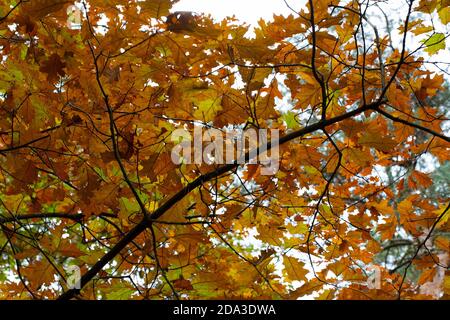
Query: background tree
(86, 116)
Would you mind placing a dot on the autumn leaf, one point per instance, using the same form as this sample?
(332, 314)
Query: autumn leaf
(422, 179)
(53, 67)
(38, 9)
(39, 273)
(442, 243)
(427, 276)
(444, 15)
(183, 284)
(156, 8)
(295, 269)
(307, 288)
(378, 142)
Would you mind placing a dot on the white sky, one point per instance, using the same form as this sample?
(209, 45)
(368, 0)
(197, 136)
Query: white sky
(249, 11)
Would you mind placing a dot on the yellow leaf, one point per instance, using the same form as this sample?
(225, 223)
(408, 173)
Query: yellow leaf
(444, 15)
(444, 217)
(300, 228)
(156, 8)
(294, 269)
(447, 284)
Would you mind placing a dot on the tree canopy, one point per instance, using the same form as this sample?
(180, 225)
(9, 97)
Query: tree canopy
(91, 92)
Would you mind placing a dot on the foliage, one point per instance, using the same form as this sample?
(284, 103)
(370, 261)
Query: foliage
(86, 116)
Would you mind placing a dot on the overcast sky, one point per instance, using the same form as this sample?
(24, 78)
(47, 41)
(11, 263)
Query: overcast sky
(245, 10)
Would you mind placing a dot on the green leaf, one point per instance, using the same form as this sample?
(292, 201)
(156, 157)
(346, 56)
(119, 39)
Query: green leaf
(289, 119)
(434, 43)
(207, 102)
(127, 207)
(120, 294)
(207, 109)
(23, 52)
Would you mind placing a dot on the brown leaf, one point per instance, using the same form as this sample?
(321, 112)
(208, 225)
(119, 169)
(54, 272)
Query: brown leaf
(53, 67)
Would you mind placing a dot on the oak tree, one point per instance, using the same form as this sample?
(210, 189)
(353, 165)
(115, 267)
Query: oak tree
(91, 92)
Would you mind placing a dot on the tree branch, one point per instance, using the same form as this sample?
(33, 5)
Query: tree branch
(148, 220)
(411, 124)
(10, 11)
(25, 145)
